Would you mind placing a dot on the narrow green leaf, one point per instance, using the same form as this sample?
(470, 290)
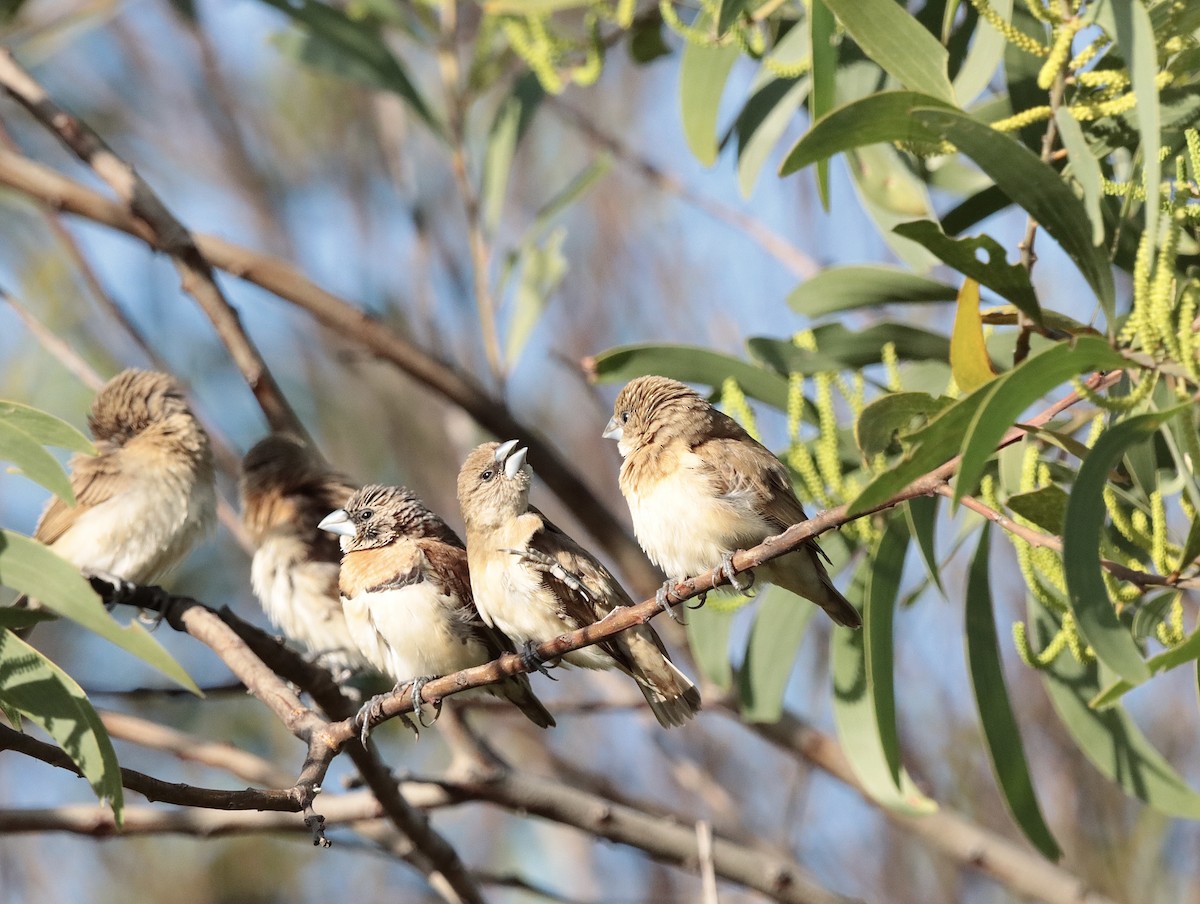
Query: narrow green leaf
(883, 587)
(1085, 168)
(728, 14)
(34, 461)
(893, 415)
(46, 695)
(883, 117)
(857, 719)
(890, 36)
(1191, 546)
(1008, 280)
(543, 268)
(1046, 507)
(570, 193)
(983, 57)
(30, 568)
(1135, 38)
(690, 365)
(1000, 728)
(1036, 187)
(703, 72)
(775, 638)
(762, 122)
(839, 348)
(1109, 738)
(353, 49)
(1181, 654)
(708, 638)
(508, 128)
(921, 516)
(838, 289)
(822, 30)
(1086, 515)
(45, 428)
(1013, 392)
(891, 193)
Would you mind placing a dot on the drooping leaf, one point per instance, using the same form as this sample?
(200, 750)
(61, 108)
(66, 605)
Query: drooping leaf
(892, 415)
(921, 514)
(969, 360)
(840, 289)
(1085, 168)
(882, 117)
(1000, 728)
(34, 461)
(45, 428)
(508, 128)
(984, 56)
(1036, 187)
(690, 365)
(1009, 280)
(708, 638)
(895, 40)
(46, 695)
(1014, 391)
(822, 29)
(1135, 38)
(775, 638)
(890, 194)
(30, 568)
(703, 72)
(1086, 514)
(855, 697)
(1046, 507)
(542, 270)
(728, 13)
(762, 123)
(1109, 738)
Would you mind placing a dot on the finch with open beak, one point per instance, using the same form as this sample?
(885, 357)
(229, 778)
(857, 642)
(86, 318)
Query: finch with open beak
(407, 597)
(146, 496)
(699, 487)
(286, 488)
(533, 582)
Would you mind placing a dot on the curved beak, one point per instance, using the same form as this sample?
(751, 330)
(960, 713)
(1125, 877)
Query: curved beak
(505, 449)
(337, 522)
(613, 430)
(515, 462)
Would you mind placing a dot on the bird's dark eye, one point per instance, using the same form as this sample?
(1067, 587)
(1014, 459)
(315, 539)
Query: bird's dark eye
(624, 417)
(365, 515)
(487, 475)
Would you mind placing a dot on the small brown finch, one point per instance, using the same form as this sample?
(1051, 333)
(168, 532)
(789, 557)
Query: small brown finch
(533, 582)
(700, 487)
(146, 495)
(286, 489)
(407, 597)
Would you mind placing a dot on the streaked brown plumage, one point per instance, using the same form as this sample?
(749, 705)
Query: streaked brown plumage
(147, 495)
(700, 487)
(407, 596)
(534, 582)
(286, 488)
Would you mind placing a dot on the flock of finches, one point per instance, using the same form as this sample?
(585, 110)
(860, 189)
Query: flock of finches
(370, 577)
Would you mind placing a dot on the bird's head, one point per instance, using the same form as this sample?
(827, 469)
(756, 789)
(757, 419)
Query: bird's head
(377, 516)
(493, 483)
(652, 409)
(135, 401)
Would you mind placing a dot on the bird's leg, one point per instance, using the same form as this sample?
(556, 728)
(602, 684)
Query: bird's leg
(371, 714)
(417, 685)
(726, 569)
(551, 566)
(532, 661)
(118, 590)
(662, 597)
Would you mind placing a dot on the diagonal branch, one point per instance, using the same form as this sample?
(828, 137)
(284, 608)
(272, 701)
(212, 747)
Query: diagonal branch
(195, 271)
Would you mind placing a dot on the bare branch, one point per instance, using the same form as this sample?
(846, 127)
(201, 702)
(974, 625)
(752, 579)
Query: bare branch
(195, 271)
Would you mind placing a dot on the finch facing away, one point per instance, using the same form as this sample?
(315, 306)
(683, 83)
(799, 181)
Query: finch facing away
(286, 489)
(407, 596)
(147, 495)
(533, 582)
(700, 487)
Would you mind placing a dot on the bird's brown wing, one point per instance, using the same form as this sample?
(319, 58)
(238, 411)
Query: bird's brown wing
(446, 567)
(94, 479)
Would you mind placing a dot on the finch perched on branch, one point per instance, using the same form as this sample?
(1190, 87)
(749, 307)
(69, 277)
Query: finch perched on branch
(146, 495)
(286, 488)
(407, 597)
(534, 582)
(699, 487)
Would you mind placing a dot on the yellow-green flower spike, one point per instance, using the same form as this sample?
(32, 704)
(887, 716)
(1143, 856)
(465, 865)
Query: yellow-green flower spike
(1012, 35)
(1059, 51)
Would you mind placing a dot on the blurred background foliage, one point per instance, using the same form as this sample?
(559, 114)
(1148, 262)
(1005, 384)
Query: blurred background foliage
(791, 204)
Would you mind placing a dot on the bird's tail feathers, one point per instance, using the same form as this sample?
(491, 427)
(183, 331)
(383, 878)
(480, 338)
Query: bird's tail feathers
(518, 691)
(672, 696)
(804, 574)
